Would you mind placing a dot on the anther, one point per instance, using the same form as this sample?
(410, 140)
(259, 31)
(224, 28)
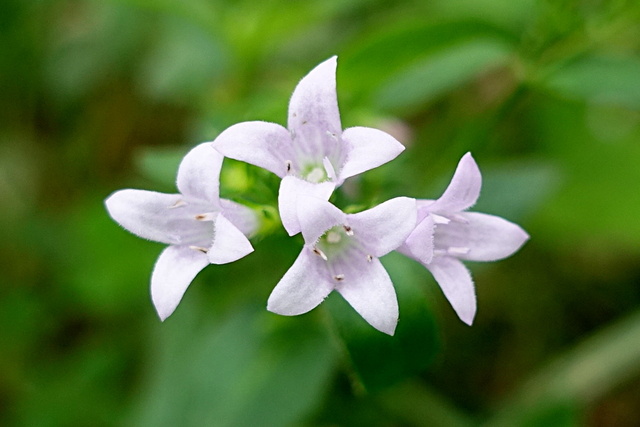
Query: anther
(178, 204)
(338, 277)
(320, 253)
(199, 248)
(369, 258)
(204, 217)
(288, 162)
(347, 230)
(332, 135)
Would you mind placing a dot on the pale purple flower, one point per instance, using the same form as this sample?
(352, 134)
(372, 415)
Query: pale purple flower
(314, 155)
(200, 227)
(445, 235)
(341, 253)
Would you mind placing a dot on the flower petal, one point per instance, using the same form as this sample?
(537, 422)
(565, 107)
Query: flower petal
(419, 244)
(369, 148)
(305, 285)
(316, 216)
(174, 271)
(464, 189)
(368, 289)
(267, 145)
(164, 218)
(488, 237)
(229, 244)
(290, 188)
(241, 216)
(314, 119)
(385, 227)
(199, 174)
(456, 283)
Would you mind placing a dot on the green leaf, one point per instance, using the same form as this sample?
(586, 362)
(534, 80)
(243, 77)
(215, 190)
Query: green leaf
(599, 79)
(435, 75)
(232, 371)
(380, 360)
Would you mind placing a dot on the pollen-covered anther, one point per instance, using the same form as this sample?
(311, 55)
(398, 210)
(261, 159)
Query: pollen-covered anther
(348, 230)
(369, 258)
(178, 204)
(338, 277)
(199, 248)
(205, 217)
(320, 254)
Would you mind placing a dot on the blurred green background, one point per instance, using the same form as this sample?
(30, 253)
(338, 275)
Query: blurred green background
(103, 95)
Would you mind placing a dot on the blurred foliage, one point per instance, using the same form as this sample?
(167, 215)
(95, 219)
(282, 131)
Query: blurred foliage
(99, 95)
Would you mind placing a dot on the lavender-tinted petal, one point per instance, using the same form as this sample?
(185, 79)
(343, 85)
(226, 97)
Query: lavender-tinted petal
(267, 145)
(305, 285)
(290, 188)
(419, 244)
(316, 216)
(487, 237)
(368, 149)
(385, 227)
(174, 271)
(199, 174)
(229, 244)
(368, 289)
(241, 216)
(314, 119)
(456, 283)
(464, 189)
(157, 216)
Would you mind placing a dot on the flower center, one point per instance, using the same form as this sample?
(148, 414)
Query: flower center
(335, 241)
(317, 174)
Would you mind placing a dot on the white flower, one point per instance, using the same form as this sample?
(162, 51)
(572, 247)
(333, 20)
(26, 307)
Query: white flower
(314, 156)
(200, 227)
(445, 234)
(341, 253)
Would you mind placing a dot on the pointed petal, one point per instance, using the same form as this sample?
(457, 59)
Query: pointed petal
(199, 174)
(385, 227)
(488, 237)
(464, 189)
(314, 119)
(175, 269)
(157, 216)
(229, 244)
(456, 283)
(267, 145)
(368, 289)
(419, 244)
(290, 188)
(305, 285)
(368, 149)
(316, 216)
(241, 216)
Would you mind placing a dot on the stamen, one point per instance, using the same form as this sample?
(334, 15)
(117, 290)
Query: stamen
(440, 252)
(199, 248)
(288, 162)
(438, 219)
(332, 135)
(369, 258)
(347, 230)
(460, 219)
(178, 204)
(320, 254)
(338, 277)
(458, 251)
(205, 217)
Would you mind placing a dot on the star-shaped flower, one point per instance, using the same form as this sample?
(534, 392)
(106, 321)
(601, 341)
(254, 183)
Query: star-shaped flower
(341, 253)
(314, 156)
(200, 227)
(445, 235)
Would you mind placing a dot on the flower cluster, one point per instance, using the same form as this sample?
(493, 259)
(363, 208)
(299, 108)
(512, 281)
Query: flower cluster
(313, 156)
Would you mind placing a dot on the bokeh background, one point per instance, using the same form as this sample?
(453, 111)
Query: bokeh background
(102, 95)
